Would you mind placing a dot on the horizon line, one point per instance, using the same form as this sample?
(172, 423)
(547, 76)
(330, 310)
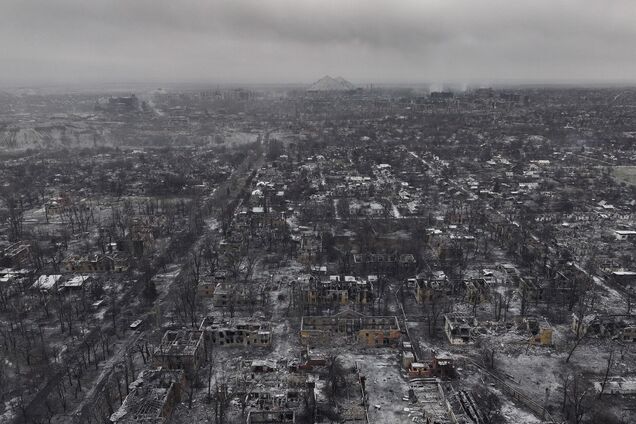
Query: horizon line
(448, 84)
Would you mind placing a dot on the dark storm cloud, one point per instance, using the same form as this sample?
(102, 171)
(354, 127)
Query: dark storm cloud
(294, 40)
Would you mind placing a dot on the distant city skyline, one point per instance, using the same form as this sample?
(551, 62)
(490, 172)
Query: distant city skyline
(284, 41)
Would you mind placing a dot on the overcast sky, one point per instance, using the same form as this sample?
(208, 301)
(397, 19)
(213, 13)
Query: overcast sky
(298, 41)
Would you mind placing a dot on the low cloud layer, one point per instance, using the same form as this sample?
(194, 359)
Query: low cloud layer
(276, 41)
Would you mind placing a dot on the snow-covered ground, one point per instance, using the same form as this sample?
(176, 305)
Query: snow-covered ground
(396, 212)
(386, 385)
(611, 300)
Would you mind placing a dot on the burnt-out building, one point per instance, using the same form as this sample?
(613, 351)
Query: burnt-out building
(429, 287)
(152, 398)
(459, 328)
(380, 263)
(236, 332)
(337, 289)
(182, 349)
(370, 331)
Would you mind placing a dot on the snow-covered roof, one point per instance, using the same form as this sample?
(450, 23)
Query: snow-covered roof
(46, 282)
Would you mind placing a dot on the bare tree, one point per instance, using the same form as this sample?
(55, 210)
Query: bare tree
(192, 383)
(434, 308)
(580, 332)
(335, 377)
(78, 214)
(578, 395)
(221, 401)
(114, 307)
(487, 354)
(14, 214)
(489, 404)
(607, 372)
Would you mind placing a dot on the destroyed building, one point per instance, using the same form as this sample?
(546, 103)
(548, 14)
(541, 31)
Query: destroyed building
(226, 294)
(439, 365)
(268, 386)
(338, 289)
(429, 287)
(477, 290)
(182, 349)
(621, 327)
(460, 329)
(152, 398)
(271, 417)
(623, 386)
(380, 263)
(236, 332)
(208, 284)
(540, 331)
(371, 331)
(96, 263)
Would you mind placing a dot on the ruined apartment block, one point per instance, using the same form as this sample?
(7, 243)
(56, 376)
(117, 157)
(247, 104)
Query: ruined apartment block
(230, 333)
(269, 387)
(152, 398)
(384, 263)
(338, 289)
(370, 331)
(429, 287)
(182, 349)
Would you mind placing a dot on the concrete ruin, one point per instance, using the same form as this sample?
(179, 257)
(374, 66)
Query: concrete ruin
(236, 332)
(371, 331)
(338, 289)
(620, 327)
(182, 349)
(429, 287)
(152, 398)
(460, 329)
